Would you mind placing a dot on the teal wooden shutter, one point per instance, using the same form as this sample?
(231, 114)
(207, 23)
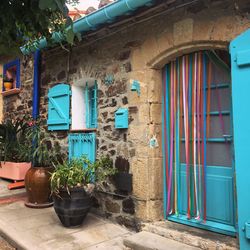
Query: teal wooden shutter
(240, 61)
(59, 105)
(87, 117)
(93, 106)
(82, 144)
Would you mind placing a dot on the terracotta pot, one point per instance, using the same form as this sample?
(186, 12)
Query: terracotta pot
(7, 85)
(14, 170)
(37, 184)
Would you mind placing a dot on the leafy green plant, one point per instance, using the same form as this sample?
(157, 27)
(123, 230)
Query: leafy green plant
(42, 152)
(33, 20)
(104, 168)
(13, 140)
(79, 172)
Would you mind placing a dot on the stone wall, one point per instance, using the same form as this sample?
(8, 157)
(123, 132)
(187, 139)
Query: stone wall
(1, 98)
(138, 52)
(18, 105)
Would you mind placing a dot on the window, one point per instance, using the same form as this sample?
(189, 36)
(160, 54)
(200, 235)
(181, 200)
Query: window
(11, 77)
(84, 105)
(83, 113)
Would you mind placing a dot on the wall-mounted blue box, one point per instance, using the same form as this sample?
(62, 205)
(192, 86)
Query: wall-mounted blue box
(247, 230)
(121, 118)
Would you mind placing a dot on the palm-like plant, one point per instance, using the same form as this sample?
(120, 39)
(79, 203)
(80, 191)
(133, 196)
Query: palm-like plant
(13, 140)
(40, 148)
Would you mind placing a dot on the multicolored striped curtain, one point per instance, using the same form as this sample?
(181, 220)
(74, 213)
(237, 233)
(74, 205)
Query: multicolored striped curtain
(186, 98)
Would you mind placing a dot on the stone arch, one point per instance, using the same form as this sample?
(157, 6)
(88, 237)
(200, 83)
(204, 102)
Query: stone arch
(154, 68)
(148, 60)
(160, 60)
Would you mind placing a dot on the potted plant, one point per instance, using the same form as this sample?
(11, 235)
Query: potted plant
(15, 160)
(72, 185)
(44, 156)
(7, 83)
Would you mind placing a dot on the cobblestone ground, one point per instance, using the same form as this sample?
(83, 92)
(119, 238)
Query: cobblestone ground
(4, 245)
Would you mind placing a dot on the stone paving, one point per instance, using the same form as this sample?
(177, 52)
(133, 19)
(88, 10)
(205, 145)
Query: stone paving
(40, 229)
(37, 229)
(5, 192)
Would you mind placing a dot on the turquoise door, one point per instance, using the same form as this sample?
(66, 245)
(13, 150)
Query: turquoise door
(198, 142)
(240, 60)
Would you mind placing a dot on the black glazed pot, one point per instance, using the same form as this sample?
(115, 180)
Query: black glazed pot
(72, 209)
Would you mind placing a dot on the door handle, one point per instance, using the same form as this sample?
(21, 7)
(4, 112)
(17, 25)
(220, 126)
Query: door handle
(227, 137)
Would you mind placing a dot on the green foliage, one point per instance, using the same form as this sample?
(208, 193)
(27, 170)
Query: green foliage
(13, 140)
(25, 21)
(103, 168)
(80, 172)
(42, 152)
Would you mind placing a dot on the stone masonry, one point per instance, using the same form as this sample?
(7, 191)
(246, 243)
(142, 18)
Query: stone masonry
(131, 53)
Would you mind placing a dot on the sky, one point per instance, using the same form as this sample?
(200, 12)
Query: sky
(84, 4)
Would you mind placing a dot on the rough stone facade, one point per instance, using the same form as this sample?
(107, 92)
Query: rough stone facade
(137, 52)
(1, 98)
(18, 105)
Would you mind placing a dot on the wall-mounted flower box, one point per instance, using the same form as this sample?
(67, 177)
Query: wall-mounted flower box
(14, 170)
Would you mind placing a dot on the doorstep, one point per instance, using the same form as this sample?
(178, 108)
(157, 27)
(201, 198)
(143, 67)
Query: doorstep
(192, 236)
(149, 241)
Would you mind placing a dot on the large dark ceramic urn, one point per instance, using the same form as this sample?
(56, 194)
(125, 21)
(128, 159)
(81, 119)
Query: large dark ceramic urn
(73, 207)
(37, 184)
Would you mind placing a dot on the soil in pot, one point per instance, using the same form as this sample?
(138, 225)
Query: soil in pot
(72, 208)
(37, 184)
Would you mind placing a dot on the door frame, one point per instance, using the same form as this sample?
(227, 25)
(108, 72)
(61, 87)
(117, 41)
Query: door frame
(208, 225)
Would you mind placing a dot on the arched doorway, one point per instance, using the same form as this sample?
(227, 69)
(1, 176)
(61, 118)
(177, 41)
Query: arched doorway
(198, 141)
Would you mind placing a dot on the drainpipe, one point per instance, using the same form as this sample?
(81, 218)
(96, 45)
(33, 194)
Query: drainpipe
(107, 14)
(35, 108)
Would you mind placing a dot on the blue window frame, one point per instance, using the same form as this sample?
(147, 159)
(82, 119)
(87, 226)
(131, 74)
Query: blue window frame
(13, 70)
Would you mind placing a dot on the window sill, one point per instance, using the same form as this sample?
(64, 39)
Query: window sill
(85, 130)
(11, 92)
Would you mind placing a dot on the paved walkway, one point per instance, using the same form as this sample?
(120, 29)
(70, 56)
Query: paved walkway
(5, 192)
(40, 229)
(36, 229)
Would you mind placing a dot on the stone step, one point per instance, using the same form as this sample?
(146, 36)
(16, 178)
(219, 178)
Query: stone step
(192, 236)
(149, 241)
